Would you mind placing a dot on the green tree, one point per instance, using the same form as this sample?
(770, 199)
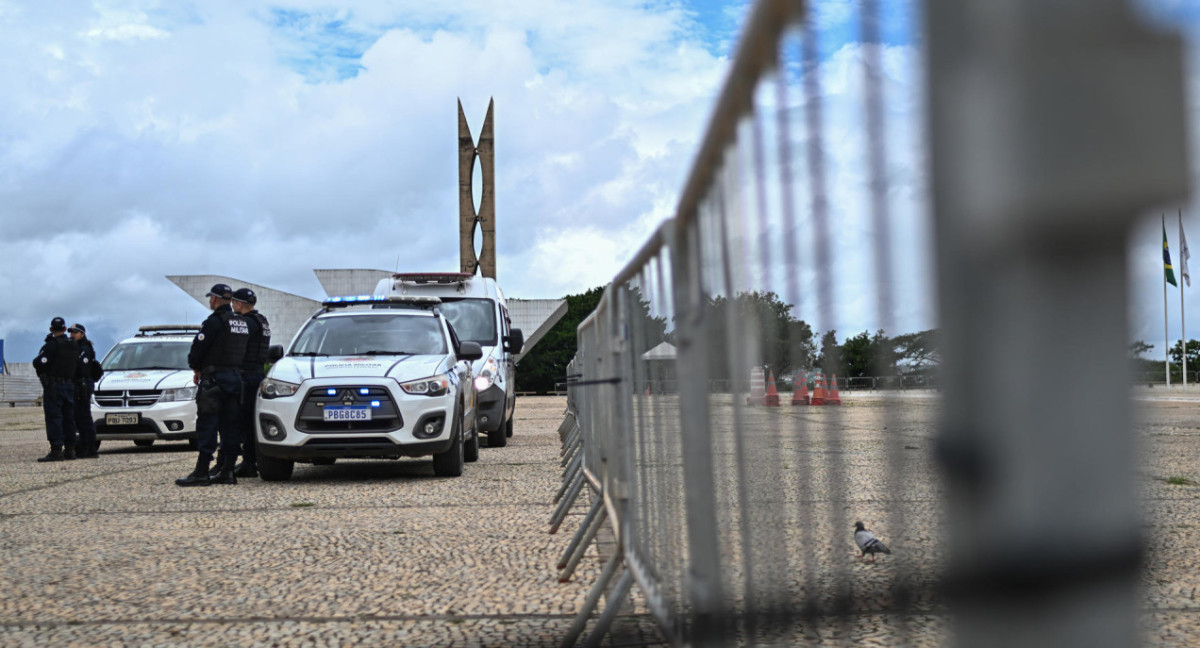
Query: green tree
(1193, 355)
(766, 328)
(546, 364)
(918, 352)
(1138, 347)
(830, 358)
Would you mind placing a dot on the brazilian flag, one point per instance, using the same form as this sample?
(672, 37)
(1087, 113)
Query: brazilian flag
(1170, 272)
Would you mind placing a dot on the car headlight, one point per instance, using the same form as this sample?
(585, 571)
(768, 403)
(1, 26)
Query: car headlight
(272, 388)
(436, 386)
(487, 375)
(182, 394)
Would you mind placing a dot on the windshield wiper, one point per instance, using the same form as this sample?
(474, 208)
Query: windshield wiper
(382, 352)
(308, 353)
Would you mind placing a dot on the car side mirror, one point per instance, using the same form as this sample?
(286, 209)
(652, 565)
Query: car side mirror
(514, 341)
(468, 350)
(274, 353)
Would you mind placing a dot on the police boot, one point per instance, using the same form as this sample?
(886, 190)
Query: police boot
(69, 453)
(224, 472)
(56, 454)
(198, 477)
(86, 452)
(248, 468)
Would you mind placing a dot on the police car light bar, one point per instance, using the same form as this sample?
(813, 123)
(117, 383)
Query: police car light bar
(354, 300)
(169, 328)
(432, 277)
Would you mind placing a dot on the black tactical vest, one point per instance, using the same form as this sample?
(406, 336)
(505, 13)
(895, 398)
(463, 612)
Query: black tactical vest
(260, 341)
(229, 349)
(61, 357)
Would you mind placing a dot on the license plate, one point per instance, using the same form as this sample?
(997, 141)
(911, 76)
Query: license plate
(347, 413)
(122, 419)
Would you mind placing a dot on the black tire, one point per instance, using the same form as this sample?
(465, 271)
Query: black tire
(274, 469)
(508, 427)
(497, 438)
(143, 443)
(324, 462)
(471, 449)
(450, 462)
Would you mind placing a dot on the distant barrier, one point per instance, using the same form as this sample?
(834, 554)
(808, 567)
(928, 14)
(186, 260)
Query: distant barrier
(19, 390)
(735, 520)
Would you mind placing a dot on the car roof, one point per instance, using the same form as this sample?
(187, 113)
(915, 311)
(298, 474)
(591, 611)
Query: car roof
(358, 309)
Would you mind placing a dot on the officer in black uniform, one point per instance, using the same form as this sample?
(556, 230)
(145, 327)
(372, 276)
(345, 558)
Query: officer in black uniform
(86, 372)
(215, 358)
(55, 366)
(244, 300)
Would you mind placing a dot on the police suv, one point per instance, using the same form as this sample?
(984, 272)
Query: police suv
(370, 378)
(146, 393)
(477, 309)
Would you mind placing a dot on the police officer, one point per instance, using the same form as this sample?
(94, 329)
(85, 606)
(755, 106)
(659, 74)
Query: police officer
(55, 367)
(244, 300)
(85, 383)
(215, 358)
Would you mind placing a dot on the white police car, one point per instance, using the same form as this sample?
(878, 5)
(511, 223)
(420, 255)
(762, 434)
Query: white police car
(146, 393)
(370, 378)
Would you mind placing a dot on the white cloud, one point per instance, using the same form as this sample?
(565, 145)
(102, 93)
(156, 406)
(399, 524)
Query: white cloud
(139, 140)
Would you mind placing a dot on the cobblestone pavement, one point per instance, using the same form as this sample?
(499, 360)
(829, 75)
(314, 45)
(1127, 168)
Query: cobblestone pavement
(109, 552)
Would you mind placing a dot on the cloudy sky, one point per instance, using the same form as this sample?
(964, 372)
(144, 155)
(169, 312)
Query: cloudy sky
(260, 140)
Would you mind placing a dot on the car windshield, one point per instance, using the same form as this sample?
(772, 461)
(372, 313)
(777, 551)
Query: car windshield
(472, 319)
(371, 334)
(128, 356)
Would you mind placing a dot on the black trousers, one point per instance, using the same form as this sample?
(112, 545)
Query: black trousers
(250, 384)
(58, 404)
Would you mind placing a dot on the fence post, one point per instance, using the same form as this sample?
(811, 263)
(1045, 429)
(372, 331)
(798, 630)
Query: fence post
(707, 626)
(1052, 125)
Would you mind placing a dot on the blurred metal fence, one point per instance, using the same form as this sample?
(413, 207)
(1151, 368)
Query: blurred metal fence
(1049, 126)
(19, 390)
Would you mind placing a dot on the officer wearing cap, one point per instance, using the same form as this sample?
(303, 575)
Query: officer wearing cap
(86, 373)
(55, 367)
(215, 358)
(244, 301)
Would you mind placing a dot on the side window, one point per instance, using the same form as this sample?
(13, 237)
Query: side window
(453, 336)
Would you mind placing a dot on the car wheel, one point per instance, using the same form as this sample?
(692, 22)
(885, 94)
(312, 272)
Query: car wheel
(471, 449)
(323, 462)
(497, 438)
(450, 462)
(143, 443)
(274, 469)
(508, 426)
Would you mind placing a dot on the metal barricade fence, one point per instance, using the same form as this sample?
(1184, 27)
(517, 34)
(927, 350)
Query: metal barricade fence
(734, 511)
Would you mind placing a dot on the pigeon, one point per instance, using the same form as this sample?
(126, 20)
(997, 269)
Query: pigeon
(867, 542)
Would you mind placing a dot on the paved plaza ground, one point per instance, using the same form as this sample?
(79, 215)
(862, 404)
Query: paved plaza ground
(110, 552)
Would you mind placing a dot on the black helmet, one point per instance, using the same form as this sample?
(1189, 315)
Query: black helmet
(220, 291)
(245, 295)
(58, 324)
(77, 328)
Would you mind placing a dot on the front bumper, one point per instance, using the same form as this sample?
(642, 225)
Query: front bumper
(396, 428)
(166, 421)
(490, 405)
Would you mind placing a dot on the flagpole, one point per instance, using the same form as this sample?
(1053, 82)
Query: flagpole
(1166, 330)
(1183, 253)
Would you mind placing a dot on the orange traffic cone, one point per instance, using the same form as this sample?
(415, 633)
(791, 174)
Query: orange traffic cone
(800, 393)
(818, 395)
(757, 388)
(834, 398)
(772, 397)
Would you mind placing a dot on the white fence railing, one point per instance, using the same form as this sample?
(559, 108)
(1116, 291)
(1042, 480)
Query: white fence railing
(1050, 124)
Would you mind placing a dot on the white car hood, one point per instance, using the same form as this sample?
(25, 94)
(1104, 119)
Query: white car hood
(144, 379)
(402, 368)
